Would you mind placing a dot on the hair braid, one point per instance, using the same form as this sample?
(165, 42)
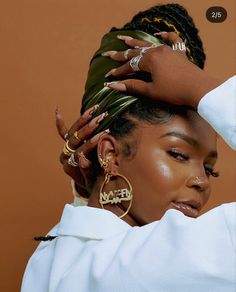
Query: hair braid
(170, 17)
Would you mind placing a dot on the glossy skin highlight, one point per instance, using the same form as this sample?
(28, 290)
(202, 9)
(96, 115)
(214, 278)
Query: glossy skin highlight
(168, 159)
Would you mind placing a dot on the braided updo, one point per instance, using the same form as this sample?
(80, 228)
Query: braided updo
(170, 17)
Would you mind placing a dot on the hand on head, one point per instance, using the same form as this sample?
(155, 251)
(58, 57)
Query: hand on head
(174, 79)
(79, 145)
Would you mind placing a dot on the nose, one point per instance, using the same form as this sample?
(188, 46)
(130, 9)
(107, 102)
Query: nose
(199, 183)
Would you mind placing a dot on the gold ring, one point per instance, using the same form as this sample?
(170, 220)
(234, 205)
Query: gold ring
(67, 150)
(77, 136)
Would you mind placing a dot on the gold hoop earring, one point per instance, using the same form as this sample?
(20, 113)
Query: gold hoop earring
(114, 196)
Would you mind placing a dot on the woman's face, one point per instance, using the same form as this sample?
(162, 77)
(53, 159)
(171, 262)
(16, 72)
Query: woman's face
(171, 168)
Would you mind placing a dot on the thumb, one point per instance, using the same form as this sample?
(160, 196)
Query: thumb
(131, 85)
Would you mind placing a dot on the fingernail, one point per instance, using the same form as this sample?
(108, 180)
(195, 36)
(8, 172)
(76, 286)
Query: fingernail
(117, 86)
(98, 119)
(110, 72)
(160, 33)
(101, 117)
(90, 111)
(83, 161)
(124, 37)
(109, 53)
(96, 137)
(108, 83)
(57, 110)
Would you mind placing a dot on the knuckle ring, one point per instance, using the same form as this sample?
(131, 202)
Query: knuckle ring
(134, 62)
(126, 54)
(179, 46)
(71, 161)
(77, 136)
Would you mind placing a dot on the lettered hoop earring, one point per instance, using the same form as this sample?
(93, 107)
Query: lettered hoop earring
(114, 196)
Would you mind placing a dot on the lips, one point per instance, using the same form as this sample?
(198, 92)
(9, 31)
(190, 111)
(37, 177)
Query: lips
(188, 209)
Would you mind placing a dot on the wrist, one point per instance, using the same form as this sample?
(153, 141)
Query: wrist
(203, 86)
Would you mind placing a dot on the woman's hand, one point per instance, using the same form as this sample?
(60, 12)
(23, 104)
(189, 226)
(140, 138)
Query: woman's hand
(78, 140)
(174, 78)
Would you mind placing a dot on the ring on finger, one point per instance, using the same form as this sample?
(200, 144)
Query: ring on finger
(77, 136)
(126, 54)
(71, 161)
(66, 136)
(67, 150)
(134, 62)
(179, 46)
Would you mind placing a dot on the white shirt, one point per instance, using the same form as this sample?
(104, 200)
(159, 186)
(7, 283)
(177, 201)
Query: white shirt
(218, 108)
(95, 251)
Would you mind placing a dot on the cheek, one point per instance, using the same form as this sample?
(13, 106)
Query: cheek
(164, 176)
(155, 177)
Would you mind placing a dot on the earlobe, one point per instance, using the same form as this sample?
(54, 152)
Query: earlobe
(109, 148)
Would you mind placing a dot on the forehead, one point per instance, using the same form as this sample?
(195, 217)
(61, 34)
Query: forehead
(191, 125)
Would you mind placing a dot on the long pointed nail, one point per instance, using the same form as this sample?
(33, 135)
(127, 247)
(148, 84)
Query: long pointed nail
(160, 33)
(90, 111)
(117, 86)
(124, 37)
(110, 72)
(109, 53)
(97, 119)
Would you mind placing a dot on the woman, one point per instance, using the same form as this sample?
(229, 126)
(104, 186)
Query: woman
(155, 161)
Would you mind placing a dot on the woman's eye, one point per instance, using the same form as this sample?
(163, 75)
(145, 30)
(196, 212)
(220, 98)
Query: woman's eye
(177, 155)
(209, 171)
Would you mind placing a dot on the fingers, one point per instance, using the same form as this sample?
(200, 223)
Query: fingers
(122, 56)
(81, 153)
(83, 120)
(131, 42)
(132, 86)
(175, 39)
(169, 36)
(80, 122)
(60, 124)
(78, 138)
(83, 133)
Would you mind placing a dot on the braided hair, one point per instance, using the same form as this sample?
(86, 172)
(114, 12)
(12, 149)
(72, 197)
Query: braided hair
(170, 17)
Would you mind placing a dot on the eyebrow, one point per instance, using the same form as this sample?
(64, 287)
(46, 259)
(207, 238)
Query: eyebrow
(189, 140)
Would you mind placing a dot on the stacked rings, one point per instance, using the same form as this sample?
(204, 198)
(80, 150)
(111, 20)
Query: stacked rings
(67, 150)
(179, 46)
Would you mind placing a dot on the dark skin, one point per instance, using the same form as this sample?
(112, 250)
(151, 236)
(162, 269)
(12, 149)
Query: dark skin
(168, 165)
(164, 168)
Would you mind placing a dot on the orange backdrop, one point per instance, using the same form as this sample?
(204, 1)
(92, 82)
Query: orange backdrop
(45, 50)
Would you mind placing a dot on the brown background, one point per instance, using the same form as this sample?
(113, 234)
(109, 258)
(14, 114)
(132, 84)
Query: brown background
(45, 50)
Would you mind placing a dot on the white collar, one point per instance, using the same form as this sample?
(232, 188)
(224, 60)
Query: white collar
(89, 222)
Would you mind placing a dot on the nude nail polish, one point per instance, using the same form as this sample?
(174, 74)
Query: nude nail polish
(124, 37)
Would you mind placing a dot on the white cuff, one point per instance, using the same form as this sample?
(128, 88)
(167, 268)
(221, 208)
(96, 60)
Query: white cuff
(218, 108)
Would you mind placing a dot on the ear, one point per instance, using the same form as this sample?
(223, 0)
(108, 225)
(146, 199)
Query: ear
(109, 148)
